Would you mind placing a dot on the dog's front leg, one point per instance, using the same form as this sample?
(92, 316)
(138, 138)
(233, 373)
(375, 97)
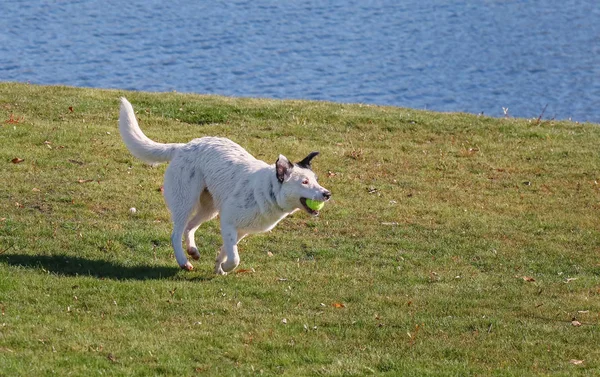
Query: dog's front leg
(228, 258)
(221, 257)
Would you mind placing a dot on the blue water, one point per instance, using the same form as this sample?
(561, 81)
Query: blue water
(477, 56)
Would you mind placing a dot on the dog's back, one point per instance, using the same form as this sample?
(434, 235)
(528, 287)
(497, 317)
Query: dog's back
(220, 165)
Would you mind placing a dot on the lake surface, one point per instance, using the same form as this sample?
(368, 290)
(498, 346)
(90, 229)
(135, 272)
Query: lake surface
(471, 56)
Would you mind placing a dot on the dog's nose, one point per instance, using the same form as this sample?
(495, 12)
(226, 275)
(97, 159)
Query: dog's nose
(327, 195)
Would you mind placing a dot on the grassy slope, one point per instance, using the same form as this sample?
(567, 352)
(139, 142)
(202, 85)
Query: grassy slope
(435, 221)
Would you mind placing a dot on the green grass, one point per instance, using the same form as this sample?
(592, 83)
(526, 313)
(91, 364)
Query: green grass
(415, 267)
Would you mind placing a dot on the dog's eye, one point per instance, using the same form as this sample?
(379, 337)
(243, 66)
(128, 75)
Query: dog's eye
(305, 181)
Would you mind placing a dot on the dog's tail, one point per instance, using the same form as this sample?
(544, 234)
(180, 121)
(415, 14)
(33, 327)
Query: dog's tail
(139, 144)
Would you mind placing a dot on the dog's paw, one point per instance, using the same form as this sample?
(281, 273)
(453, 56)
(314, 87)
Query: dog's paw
(193, 252)
(219, 270)
(230, 264)
(187, 266)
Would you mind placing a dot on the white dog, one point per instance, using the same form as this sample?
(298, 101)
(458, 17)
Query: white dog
(210, 176)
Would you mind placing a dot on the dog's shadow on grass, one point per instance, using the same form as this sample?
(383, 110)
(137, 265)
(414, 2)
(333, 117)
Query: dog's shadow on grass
(64, 265)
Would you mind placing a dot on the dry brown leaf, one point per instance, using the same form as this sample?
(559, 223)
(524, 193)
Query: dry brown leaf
(13, 120)
(528, 279)
(414, 334)
(576, 362)
(245, 270)
(468, 152)
(575, 323)
(338, 305)
(355, 154)
(71, 108)
(17, 160)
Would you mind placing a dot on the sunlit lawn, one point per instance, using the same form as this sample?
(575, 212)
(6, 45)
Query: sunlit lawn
(454, 245)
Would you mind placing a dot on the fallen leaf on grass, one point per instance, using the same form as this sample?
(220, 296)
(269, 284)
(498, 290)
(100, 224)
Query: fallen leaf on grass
(528, 279)
(575, 323)
(355, 154)
(85, 180)
(17, 160)
(245, 270)
(413, 336)
(468, 152)
(338, 305)
(71, 109)
(13, 120)
(570, 280)
(576, 362)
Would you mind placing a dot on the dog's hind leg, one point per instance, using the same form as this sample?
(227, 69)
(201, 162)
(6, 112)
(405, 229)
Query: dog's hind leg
(205, 210)
(182, 198)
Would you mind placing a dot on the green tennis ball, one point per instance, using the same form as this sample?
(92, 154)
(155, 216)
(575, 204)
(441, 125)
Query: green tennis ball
(314, 205)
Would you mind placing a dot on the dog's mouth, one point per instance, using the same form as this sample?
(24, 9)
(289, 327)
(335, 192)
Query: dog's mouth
(307, 209)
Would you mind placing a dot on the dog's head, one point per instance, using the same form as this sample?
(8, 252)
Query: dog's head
(298, 183)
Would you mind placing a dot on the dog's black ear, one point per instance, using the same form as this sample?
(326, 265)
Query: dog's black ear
(306, 162)
(283, 167)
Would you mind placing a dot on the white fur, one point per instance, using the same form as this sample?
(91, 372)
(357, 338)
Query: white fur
(213, 176)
